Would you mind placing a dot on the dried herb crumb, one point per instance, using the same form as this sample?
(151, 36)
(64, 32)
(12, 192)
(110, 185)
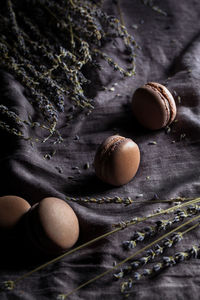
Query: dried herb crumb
(152, 143)
(76, 138)
(75, 168)
(167, 130)
(134, 26)
(59, 169)
(182, 136)
(112, 89)
(139, 195)
(86, 166)
(47, 156)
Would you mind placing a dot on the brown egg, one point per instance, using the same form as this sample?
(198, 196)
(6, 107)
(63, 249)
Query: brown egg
(52, 226)
(117, 160)
(12, 208)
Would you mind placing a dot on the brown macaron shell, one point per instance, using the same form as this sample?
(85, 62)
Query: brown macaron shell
(12, 208)
(101, 154)
(117, 160)
(153, 106)
(52, 226)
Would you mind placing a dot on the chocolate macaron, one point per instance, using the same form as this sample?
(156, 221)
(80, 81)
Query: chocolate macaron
(117, 160)
(153, 106)
(12, 208)
(52, 226)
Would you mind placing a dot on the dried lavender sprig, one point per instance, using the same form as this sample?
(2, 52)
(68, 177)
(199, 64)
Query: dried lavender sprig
(124, 34)
(167, 261)
(15, 27)
(46, 49)
(113, 64)
(72, 76)
(77, 94)
(87, 18)
(160, 225)
(150, 254)
(11, 130)
(17, 120)
(128, 41)
(43, 47)
(126, 200)
(154, 7)
(102, 200)
(42, 81)
(84, 46)
(42, 101)
(12, 115)
(166, 211)
(130, 257)
(7, 285)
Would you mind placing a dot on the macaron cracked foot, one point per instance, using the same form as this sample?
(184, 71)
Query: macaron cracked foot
(117, 160)
(153, 106)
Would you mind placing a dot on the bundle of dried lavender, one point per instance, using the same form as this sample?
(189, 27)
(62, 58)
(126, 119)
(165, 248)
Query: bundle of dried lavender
(46, 44)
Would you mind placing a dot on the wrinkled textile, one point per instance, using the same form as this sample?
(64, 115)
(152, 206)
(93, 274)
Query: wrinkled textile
(169, 53)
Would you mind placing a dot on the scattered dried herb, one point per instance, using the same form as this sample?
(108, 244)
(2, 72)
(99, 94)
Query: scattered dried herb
(154, 7)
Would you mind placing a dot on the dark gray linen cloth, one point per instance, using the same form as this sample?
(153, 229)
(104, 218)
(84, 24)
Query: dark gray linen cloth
(170, 54)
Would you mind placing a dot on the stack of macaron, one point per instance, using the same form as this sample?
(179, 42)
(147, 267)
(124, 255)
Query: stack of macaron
(51, 226)
(117, 159)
